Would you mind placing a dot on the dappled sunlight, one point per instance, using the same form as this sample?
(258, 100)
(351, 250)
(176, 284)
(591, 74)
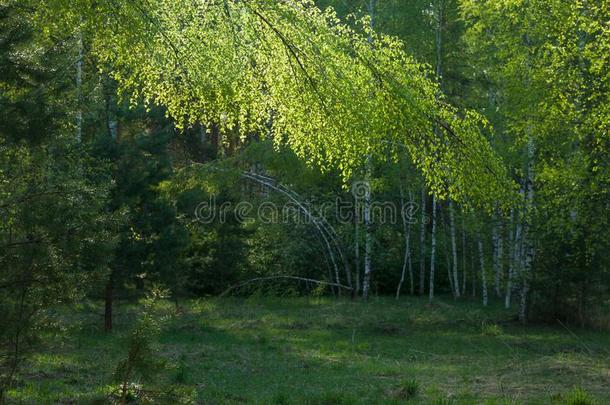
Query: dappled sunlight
(304, 202)
(366, 349)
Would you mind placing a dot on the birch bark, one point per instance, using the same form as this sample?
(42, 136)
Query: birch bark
(513, 257)
(422, 243)
(439, 74)
(432, 251)
(406, 264)
(528, 248)
(464, 257)
(456, 282)
(368, 240)
(483, 274)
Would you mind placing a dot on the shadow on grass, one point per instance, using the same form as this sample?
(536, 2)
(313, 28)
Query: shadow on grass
(326, 351)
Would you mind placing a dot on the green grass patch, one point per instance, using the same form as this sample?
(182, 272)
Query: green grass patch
(326, 351)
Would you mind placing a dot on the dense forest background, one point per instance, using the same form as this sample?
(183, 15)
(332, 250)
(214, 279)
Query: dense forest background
(102, 185)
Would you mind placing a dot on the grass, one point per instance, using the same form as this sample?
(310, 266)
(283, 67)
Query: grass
(325, 351)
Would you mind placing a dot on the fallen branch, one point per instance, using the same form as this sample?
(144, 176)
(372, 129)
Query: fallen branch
(311, 280)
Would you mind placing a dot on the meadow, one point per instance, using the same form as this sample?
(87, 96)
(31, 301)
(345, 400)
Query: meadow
(321, 351)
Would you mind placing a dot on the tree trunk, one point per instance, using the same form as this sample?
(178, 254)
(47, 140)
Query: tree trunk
(108, 304)
(464, 257)
(456, 282)
(474, 274)
(357, 246)
(372, 6)
(528, 247)
(494, 249)
(407, 235)
(422, 243)
(483, 275)
(368, 240)
(432, 251)
(499, 275)
(366, 285)
(411, 277)
(449, 273)
(513, 255)
(498, 254)
(111, 108)
(439, 75)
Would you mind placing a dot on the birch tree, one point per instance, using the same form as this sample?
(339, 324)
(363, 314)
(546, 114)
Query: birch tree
(514, 254)
(368, 237)
(498, 254)
(432, 252)
(464, 264)
(422, 242)
(439, 19)
(368, 242)
(484, 292)
(454, 255)
(406, 225)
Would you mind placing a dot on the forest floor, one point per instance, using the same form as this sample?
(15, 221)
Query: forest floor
(324, 351)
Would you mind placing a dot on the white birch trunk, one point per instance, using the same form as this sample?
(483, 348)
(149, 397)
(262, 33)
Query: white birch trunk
(432, 251)
(366, 285)
(357, 246)
(422, 243)
(111, 108)
(474, 274)
(512, 257)
(368, 240)
(528, 248)
(494, 248)
(406, 264)
(498, 254)
(483, 275)
(439, 74)
(456, 282)
(527, 245)
(463, 257)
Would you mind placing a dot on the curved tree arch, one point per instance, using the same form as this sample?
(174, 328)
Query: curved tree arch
(326, 230)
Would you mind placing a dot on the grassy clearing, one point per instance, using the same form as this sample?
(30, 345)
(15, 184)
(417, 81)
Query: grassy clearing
(323, 351)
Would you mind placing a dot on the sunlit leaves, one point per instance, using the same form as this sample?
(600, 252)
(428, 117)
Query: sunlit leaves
(333, 93)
